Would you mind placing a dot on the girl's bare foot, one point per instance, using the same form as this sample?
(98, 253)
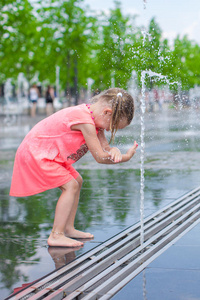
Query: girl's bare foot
(77, 234)
(58, 239)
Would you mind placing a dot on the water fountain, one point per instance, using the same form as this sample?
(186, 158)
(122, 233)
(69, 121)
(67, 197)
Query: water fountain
(194, 96)
(159, 76)
(90, 82)
(57, 104)
(8, 90)
(14, 107)
(58, 83)
(22, 94)
(112, 80)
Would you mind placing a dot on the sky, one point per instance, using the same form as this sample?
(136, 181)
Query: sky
(173, 16)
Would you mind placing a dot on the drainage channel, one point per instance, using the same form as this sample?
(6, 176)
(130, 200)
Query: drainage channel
(103, 271)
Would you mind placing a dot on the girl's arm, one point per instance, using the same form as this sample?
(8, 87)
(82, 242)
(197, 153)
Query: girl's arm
(95, 147)
(115, 153)
(103, 140)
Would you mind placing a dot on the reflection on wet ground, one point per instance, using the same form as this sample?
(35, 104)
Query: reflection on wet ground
(110, 198)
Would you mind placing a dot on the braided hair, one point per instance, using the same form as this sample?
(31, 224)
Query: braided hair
(122, 105)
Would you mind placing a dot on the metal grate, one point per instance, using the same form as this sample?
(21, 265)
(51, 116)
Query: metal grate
(103, 271)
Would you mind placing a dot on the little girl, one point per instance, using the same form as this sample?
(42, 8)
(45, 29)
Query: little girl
(44, 159)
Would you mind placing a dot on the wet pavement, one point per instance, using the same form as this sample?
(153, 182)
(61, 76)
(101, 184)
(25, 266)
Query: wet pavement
(109, 202)
(174, 275)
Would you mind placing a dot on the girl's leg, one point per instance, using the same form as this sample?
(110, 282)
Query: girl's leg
(64, 208)
(69, 229)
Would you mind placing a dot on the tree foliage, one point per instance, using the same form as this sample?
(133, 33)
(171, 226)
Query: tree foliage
(113, 54)
(36, 38)
(19, 51)
(68, 34)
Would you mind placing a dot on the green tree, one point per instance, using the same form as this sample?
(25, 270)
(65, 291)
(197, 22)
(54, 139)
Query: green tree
(186, 62)
(106, 48)
(68, 33)
(18, 39)
(151, 53)
(113, 53)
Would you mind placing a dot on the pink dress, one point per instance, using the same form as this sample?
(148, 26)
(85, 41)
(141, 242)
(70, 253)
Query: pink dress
(44, 158)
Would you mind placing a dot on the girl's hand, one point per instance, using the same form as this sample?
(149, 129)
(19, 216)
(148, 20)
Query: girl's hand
(115, 155)
(132, 150)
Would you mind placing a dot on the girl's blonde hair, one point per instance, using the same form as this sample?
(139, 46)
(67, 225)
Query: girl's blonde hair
(122, 105)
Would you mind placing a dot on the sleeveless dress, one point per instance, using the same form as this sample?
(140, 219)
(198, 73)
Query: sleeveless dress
(44, 158)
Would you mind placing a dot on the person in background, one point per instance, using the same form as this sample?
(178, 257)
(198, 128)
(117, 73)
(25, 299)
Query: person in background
(49, 97)
(33, 96)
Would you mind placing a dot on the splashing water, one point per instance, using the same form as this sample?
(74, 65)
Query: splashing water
(143, 108)
(144, 3)
(142, 136)
(146, 34)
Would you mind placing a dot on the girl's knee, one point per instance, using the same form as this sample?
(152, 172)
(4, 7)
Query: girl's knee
(79, 179)
(72, 185)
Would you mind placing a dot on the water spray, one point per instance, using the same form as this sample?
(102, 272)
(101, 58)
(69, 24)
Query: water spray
(142, 135)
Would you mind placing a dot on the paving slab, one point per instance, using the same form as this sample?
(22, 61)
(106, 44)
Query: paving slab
(174, 275)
